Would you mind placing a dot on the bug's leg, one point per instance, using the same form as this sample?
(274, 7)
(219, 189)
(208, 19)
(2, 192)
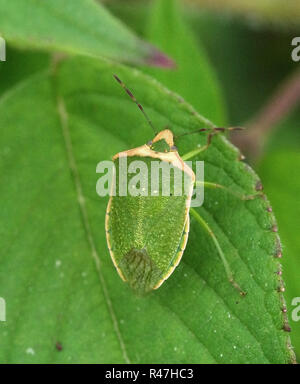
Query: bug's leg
(213, 131)
(198, 150)
(207, 184)
(228, 271)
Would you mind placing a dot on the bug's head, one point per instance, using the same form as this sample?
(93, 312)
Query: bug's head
(163, 142)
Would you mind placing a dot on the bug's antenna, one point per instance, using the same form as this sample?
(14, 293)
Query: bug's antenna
(136, 102)
(214, 129)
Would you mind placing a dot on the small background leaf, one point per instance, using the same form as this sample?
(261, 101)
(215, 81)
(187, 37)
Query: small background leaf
(82, 27)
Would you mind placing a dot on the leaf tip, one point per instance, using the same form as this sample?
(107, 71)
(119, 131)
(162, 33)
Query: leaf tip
(159, 59)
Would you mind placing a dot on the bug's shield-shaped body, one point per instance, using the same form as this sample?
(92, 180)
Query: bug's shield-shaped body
(146, 235)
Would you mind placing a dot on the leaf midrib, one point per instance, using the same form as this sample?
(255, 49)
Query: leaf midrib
(63, 120)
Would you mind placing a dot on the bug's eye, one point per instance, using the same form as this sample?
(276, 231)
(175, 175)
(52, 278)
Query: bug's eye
(174, 148)
(150, 143)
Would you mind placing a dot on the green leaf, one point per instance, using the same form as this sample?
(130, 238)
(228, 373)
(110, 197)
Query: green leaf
(193, 78)
(81, 27)
(19, 65)
(56, 274)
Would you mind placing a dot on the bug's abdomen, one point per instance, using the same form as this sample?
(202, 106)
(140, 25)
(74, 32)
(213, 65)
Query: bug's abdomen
(145, 239)
(140, 271)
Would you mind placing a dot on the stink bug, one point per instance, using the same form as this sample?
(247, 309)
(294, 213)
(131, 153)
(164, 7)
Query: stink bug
(146, 235)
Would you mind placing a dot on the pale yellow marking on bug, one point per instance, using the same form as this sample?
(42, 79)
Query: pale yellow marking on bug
(179, 255)
(172, 157)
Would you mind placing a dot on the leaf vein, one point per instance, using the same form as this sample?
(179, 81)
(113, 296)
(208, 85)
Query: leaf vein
(63, 116)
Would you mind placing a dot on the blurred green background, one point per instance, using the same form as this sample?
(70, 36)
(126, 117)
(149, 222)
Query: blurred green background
(250, 50)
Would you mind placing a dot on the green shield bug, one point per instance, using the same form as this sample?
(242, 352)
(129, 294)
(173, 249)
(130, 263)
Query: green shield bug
(147, 233)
